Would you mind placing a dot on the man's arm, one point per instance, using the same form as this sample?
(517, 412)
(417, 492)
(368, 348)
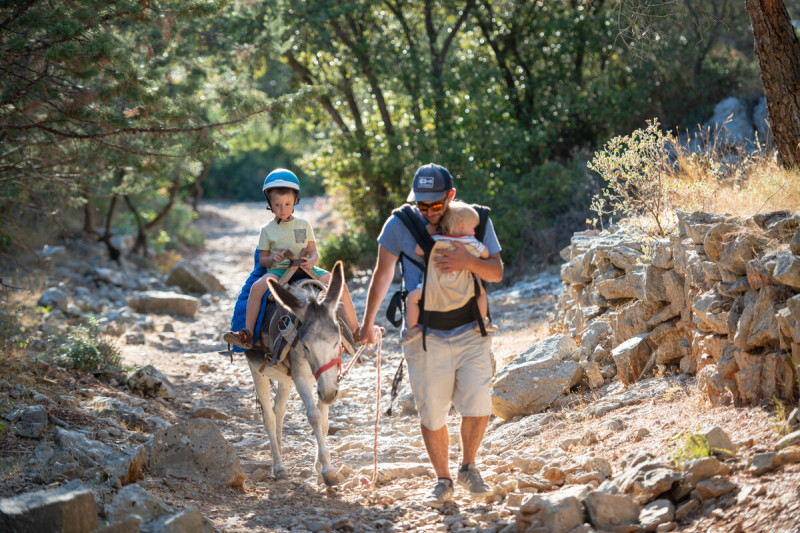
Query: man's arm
(382, 278)
(458, 258)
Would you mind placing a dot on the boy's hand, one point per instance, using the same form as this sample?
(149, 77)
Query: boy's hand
(278, 255)
(308, 262)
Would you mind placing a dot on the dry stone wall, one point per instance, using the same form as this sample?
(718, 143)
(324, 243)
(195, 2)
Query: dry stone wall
(720, 300)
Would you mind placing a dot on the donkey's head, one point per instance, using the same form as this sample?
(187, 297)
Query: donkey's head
(319, 339)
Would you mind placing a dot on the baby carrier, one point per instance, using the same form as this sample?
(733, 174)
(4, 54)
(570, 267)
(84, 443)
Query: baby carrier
(448, 301)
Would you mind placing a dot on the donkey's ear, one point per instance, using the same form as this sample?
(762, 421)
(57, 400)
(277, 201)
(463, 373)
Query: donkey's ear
(336, 286)
(286, 299)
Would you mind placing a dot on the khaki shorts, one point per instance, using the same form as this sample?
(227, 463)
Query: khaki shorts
(456, 369)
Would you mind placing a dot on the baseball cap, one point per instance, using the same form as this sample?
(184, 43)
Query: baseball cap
(431, 181)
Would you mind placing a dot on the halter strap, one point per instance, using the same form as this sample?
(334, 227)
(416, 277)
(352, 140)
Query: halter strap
(331, 364)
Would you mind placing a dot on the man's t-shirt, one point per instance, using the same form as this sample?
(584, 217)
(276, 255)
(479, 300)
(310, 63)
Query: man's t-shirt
(396, 238)
(293, 235)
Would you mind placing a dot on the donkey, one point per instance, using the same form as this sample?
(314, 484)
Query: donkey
(315, 358)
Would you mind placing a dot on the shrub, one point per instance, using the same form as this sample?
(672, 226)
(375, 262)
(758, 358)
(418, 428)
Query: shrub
(82, 348)
(354, 248)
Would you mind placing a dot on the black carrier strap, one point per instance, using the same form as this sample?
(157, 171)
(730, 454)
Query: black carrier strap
(434, 319)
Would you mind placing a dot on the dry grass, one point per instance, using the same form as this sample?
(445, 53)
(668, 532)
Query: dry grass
(742, 185)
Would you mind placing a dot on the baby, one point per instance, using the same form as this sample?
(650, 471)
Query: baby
(458, 225)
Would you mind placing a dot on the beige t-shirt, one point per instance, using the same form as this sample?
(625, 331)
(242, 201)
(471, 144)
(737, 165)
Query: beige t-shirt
(293, 235)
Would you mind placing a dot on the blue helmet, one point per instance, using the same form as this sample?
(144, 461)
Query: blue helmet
(280, 177)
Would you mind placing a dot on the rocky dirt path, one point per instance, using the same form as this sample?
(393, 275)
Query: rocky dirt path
(605, 425)
(205, 379)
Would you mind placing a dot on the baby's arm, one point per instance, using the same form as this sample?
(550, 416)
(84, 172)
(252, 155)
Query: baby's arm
(418, 250)
(483, 251)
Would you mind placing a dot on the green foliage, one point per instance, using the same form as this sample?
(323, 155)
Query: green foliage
(83, 348)
(354, 248)
(636, 170)
(686, 447)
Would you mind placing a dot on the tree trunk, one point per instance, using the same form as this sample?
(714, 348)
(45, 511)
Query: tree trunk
(778, 52)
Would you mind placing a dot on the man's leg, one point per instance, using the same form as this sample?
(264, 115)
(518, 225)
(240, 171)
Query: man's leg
(437, 443)
(472, 430)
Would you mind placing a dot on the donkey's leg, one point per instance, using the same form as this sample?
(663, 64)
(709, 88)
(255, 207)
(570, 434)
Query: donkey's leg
(318, 418)
(279, 405)
(268, 414)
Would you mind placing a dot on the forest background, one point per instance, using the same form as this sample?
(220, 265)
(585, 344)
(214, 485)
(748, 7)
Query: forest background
(117, 117)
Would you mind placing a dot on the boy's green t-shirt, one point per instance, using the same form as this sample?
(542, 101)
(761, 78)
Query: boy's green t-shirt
(293, 235)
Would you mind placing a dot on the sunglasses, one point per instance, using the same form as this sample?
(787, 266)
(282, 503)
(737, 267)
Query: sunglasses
(432, 206)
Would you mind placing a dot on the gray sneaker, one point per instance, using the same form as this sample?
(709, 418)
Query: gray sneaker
(471, 480)
(442, 493)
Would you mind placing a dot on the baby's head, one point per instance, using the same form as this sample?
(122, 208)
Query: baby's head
(460, 219)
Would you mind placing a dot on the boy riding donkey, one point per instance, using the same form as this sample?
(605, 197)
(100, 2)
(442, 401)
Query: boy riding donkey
(452, 362)
(285, 235)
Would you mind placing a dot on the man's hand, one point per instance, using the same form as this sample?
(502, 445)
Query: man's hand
(367, 334)
(455, 258)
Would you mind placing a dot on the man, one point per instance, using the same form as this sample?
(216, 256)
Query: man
(457, 366)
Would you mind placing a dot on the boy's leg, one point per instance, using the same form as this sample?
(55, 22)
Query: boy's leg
(257, 292)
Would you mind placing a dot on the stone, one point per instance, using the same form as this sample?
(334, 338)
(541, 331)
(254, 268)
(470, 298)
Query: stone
(54, 298)
(757, 327)
(134, 500)
(196, 450)
(209, 412)
(556, 512)
(617, 288)
(716, 236)
(32, 422)
(646, 477)
(656, 513)
(711, 312)
(171, 303)
(715, 487)
(193, 278)
(734, 254)
(151, 382)
(764, 376)
(631, 357)
(190, 520)
(717, 389)
(606, 510)
(71, 511)
(536, 378)
(717, 441)
(661, 251)
(787, 270)
(792, 439)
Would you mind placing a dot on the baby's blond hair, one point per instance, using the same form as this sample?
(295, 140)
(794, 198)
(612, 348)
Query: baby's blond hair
(459, 213)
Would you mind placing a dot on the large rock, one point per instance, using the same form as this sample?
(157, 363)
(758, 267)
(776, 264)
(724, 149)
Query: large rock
(711, 312)
(32, 422)
(757, 326)
(73, 455)
(646, 477)
(556, 512)
(631, 357)
(49, 511)
(764, 376)
(536, 378)
(55, 298)
(193, 278)
(731, 123)
(171, 303)
(151, 382)
(196, 450)
(608, 510)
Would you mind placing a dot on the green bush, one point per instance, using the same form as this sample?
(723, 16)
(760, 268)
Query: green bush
(82, 348)
(354, 248)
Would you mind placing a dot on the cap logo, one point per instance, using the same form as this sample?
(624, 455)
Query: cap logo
(425, 182)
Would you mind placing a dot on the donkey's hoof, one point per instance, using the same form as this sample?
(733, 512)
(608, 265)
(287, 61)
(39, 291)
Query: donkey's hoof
(281, 473)
(331, 478)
